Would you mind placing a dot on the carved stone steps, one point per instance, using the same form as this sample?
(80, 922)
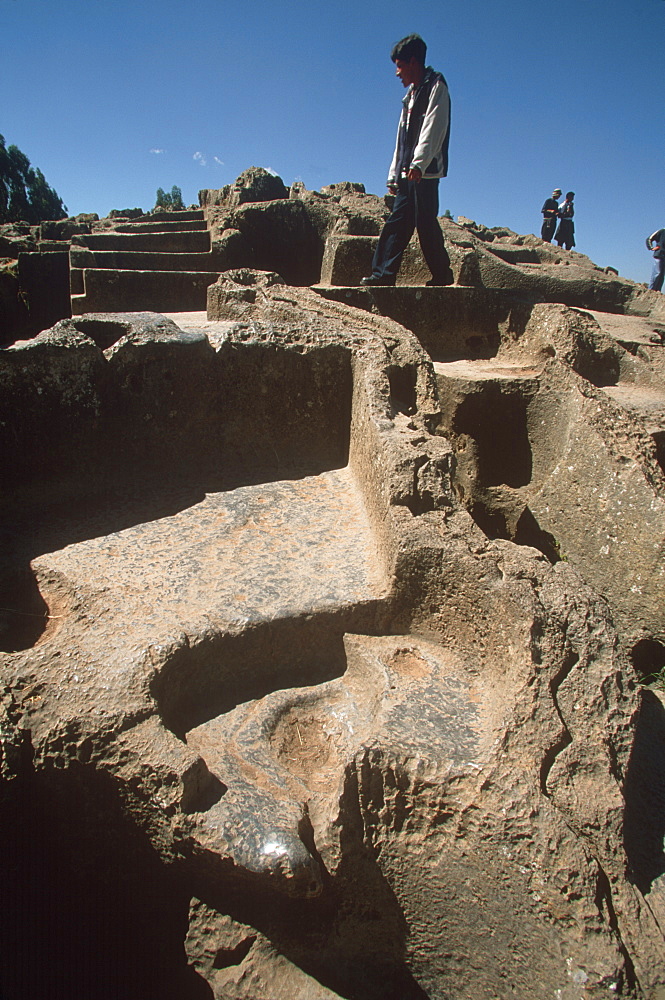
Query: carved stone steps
(184, 226)
(137, 260)
(164, 241)
(100, 290)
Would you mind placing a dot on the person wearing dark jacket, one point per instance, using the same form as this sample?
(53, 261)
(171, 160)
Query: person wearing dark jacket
(565, 234)
(419, 160)
(656, 243)
(550, 213)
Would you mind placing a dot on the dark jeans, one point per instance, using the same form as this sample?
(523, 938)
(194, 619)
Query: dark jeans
(547, 231)
(416, 207)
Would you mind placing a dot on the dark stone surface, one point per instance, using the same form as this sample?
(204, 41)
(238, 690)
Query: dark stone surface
(450, 322)
(13, 310)
(64, 229)
(128, 291)
(44, 282)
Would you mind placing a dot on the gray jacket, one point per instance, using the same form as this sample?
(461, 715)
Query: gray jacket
(425, 134)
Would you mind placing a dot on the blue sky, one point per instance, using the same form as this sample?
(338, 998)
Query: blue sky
(112, 99)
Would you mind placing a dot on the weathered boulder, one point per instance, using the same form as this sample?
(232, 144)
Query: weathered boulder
(237, 961)
(352, 742)
(282, 236)
(342, 188)
(234, 294)
(557, 417)
(549, 460)
(497, 259)
(253, 185)
(64, 229)
(127, 213)
(16, 238)
(288, 232)
(326, 619)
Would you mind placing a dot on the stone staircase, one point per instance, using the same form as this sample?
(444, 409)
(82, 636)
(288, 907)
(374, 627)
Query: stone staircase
(161, 265)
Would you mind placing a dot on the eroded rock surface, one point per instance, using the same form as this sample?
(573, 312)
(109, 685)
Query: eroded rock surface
(330, 689)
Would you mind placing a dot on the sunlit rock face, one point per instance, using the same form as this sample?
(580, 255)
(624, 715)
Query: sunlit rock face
(327, 616)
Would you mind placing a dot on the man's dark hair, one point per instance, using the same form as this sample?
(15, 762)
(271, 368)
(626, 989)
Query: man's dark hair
(412, 45)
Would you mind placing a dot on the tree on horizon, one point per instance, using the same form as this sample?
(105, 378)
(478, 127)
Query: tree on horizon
(24, 194)
(170, 200)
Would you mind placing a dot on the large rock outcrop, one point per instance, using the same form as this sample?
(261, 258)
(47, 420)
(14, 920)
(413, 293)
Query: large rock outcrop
(329, 617)
(297, 681)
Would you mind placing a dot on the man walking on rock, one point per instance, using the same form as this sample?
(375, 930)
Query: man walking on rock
(420, 159)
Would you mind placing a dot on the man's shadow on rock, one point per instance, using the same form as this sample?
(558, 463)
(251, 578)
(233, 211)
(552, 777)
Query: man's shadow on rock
(644, 794)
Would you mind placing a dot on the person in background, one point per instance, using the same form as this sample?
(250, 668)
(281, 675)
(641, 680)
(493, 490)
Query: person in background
(565, 234)
(656, 243)
(420, 159)
(550, 212)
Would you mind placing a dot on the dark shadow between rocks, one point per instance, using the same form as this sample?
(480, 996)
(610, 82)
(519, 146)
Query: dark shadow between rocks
(659, 441)
(104, 332)
(529, 532)
(601, 367)
(88, 909)
(209, 678)
(351, 940)
(497, 422)
(491, 520)
(45, 523)
(23, 610)
(159, 417)
(648, 659)
(644, 795)
(403, 397)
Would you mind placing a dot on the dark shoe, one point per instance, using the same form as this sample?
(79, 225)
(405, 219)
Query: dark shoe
(436, 282)
(373, 280)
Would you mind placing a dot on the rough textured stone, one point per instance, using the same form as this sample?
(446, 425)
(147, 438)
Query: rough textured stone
(383, 754)
(254, 184)
(239, 963)
(317, 681)
(126, 213)
(129, 290)
(497, 259)
(279, 236)
(16, 238)
(64, 229)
